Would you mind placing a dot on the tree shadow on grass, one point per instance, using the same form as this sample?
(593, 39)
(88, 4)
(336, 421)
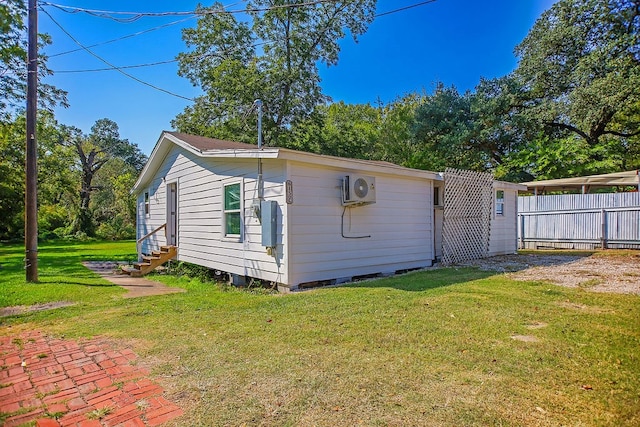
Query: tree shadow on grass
(522, 261)
(467, 271)
(425, 279)
(53, 281)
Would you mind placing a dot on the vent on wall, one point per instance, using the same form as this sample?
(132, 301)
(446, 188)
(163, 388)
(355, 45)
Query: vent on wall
(358, 190)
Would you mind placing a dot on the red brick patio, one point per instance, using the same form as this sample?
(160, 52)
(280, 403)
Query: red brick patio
(68, 383)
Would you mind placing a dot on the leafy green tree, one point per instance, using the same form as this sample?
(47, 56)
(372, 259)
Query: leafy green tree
(444, 130)
(94, 151)
(484, 130)
(360, 131)
(56, 176)
(571, 107)
(350, 130)
(338, 129)
(580, 65)
(57, 180)
(306, 132)
(13, 182)
(500, 129)
(395, 141)
(223, 64)
(274, 57)
(114, 207)
(71, 168)
(13, 62)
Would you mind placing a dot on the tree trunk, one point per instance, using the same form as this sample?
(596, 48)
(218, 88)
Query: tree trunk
(85, 218)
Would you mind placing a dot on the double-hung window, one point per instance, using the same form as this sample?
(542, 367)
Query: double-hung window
(232, 221)
(147, 211)
(499, 203)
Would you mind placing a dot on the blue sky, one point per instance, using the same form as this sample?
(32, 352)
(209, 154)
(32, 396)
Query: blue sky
(453, 41)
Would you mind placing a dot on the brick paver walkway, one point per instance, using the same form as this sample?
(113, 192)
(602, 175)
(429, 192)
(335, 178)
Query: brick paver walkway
(68, 383)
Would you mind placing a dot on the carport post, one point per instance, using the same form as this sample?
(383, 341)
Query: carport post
(521, 231)
(603, 223)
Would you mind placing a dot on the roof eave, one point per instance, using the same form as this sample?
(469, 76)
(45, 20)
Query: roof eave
(265, 153)
(627, 178)
(159, 152)
(145, 170)
(166, 139)
(509, 185)
(356, 164)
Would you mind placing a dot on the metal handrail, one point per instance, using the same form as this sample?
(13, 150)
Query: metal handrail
(146, 236)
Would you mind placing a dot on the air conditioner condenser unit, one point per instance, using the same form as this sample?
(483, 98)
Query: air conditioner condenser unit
(358, 190)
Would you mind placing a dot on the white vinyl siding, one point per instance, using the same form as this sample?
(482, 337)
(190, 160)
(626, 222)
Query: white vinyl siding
(151, 215)
(201, 213)
(399, 223)
(310, 243)
(503, 237)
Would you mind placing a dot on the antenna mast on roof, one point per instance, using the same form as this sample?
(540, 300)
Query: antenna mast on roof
(258, 104)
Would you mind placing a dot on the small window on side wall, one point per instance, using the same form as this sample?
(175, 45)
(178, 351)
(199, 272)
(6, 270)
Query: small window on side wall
(232, 210)
(500, 202)
(146, 204)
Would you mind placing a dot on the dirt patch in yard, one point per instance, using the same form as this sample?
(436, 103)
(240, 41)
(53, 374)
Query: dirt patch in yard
(597, 273)
(20, 309)
(524, 338)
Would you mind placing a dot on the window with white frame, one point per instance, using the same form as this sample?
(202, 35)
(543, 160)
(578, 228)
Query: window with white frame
(500, 202)
(232, 213)
(147, 210)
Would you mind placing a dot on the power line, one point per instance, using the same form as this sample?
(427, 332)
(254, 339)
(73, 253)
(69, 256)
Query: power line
(148, 30)
(192, 13)
(119, 69)
(404, 8)
(122, 67)
(137, 15)
(153, 64)
(113, 66)
(171, 24)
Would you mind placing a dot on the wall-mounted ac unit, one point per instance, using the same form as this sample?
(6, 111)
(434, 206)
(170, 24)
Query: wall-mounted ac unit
(358, 190)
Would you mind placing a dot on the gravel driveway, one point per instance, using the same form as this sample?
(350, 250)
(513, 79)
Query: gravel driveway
(601, 272)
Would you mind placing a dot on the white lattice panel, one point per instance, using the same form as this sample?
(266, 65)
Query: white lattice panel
(467, 215)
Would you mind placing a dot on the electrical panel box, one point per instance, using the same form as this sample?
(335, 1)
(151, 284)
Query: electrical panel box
(269, 212)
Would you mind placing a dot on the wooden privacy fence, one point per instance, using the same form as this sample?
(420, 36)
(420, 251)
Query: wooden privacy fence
(579, 221)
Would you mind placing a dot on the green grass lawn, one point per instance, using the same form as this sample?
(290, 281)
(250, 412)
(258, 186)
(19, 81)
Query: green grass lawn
(428, 348)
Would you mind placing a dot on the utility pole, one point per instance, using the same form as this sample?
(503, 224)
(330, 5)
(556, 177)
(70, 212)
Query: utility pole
(31, 193)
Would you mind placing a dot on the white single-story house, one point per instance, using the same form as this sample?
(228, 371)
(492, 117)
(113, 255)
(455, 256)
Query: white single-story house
(296, 218)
